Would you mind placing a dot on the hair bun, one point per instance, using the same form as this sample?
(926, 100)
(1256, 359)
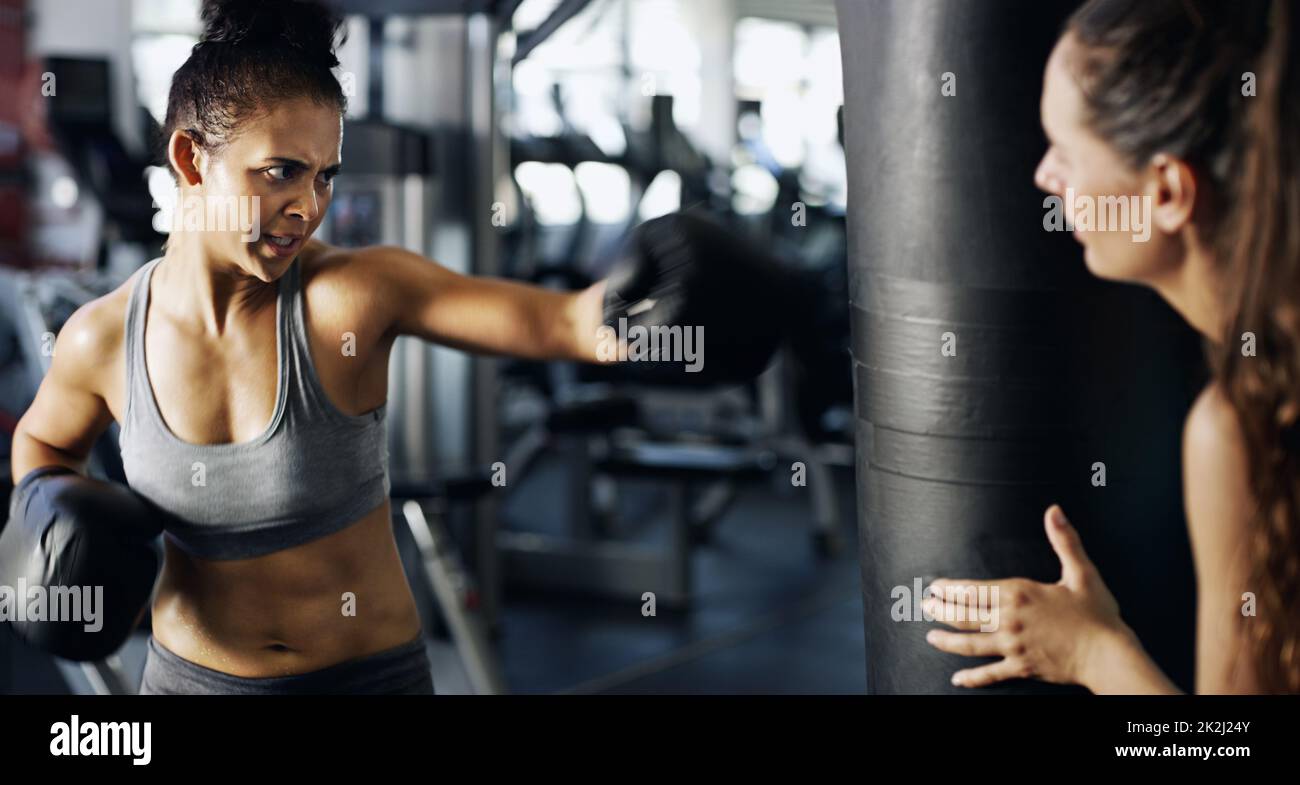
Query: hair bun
(307, 25)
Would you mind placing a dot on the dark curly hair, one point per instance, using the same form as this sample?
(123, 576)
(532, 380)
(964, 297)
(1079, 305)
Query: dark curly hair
(253, 54)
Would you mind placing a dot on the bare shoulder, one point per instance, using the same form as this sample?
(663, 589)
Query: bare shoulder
(375, 263)
(346, 287)
(355, 271)
(1212, 433)
(1216, 468)
(370, 284)
(326, 266)
(89, 347)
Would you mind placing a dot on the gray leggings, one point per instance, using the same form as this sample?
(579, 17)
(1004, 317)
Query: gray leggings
(402, 670)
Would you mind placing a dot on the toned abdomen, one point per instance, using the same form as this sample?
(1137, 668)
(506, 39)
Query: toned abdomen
(301, 609)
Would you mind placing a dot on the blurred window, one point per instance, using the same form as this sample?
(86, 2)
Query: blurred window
(793, 71)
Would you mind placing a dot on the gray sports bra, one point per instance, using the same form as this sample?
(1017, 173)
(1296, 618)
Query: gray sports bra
(312, 472)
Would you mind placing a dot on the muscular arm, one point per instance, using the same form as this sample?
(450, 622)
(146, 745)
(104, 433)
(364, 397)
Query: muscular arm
(69, 412)
(486, 315)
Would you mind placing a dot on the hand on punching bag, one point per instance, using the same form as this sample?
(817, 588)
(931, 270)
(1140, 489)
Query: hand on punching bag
(1068, 632)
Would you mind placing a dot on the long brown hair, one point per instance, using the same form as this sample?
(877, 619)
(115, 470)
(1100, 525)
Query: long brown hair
(1173, 76)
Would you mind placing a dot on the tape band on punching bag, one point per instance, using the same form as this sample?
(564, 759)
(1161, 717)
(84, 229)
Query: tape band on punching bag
(1006, 402)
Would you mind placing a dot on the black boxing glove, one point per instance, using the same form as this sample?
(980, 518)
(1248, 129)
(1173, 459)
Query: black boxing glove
(689, 302)
(80, 557)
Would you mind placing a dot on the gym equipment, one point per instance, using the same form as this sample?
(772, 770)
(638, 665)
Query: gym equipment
(709, 444)
(80, 122)
(555, 253)
(664, 147)
(384, 201)
(806, 226)
(583, 405)
(701, 475)
(424, 508)
(581, 410)
(960, 452)
(597, 436)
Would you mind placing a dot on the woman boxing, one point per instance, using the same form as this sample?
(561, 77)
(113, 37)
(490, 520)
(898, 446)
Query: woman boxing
(249, 379)
(1196, 104)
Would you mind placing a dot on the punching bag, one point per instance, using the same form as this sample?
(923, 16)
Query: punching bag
(993, 375)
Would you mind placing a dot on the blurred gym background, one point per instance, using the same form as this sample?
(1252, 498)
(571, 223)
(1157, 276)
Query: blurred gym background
(521, 139)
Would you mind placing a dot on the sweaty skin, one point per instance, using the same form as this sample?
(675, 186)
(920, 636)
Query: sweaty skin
(210, 346)
(283, 612)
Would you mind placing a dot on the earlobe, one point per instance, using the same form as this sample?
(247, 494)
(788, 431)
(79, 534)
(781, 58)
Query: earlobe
(1175, 193)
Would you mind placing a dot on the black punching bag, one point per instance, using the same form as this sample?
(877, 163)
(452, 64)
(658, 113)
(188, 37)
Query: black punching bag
(1056, 387)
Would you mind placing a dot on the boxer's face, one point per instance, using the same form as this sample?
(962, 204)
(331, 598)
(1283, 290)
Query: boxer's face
(1122, 242)
(285, 157)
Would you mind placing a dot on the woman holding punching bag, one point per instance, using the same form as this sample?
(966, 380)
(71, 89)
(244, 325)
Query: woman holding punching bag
(1196, 105)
